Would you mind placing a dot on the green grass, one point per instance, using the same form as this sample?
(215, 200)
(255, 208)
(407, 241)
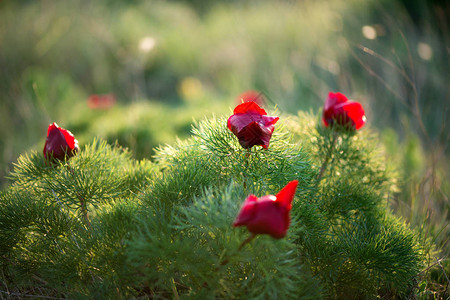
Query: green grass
(54, 55)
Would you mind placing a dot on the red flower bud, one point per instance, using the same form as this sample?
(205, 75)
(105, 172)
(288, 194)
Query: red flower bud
(59, 143)
(268, 214)
(251, 125)
(338, 110)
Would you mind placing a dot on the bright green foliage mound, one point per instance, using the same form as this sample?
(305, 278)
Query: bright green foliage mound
(103, 225)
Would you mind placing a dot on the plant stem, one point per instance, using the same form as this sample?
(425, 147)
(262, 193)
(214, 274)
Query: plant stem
(247, 165)
(174, 289)
(84, 211)
(245, 242)
(329, 153)
(248, 240)
(83, 206)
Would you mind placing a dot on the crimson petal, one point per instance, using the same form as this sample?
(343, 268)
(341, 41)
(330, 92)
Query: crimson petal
(249, 107)
(59, 143)
(251, 125)
(339, 110)
(268, 214)
(247, 211)
(355, 112)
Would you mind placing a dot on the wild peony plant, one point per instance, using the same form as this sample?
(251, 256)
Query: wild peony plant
(251, 125)
(163, 228)
(269, 214)
(60, 143)
(338, 110)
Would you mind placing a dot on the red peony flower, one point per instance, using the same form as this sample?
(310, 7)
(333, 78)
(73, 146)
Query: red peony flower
(101, 101)
(59, 143)
(251, 125)
(339, 110)
(268, 214)
(251, 96)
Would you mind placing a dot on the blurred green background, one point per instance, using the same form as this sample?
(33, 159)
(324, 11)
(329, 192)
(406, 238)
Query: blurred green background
(169, 63)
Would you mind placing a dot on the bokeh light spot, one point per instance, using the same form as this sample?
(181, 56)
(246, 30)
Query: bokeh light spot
(190, 88)
(425, 51)
(146, 44)
(369, 32)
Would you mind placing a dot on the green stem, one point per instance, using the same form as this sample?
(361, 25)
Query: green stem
(174, 289)
(248, 240)
(83, 206)
(329, 154)
(247, 165)
(84, 211)
(245, 242)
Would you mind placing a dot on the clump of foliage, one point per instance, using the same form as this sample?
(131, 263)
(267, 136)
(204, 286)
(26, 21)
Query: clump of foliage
(104, 225)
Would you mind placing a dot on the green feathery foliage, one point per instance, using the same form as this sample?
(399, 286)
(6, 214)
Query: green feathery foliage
(365, 251)
(213, 157)
(103, 225)
(197, 254)
(62, 226)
